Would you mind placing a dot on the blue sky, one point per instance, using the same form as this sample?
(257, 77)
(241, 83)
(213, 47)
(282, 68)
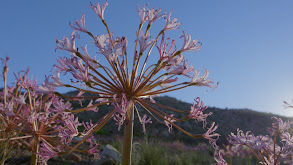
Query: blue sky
(247, 45)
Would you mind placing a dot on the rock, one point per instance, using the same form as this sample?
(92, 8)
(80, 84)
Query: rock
(109, 156)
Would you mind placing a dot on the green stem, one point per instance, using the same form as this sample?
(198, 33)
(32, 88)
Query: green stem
(35, 157)
(249, 160)
(128, 136)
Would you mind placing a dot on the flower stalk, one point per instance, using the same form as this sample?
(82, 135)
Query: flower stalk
(128, 136)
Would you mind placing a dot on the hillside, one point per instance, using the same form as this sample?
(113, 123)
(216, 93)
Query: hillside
(228, 119)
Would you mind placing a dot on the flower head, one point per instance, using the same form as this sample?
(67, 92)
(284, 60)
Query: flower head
(187, 45)
(171, 25)
(100, 10)
(79, 26)
(130, 86)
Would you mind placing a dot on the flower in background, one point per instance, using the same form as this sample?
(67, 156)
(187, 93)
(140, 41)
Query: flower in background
(269, 150)
(42, 122)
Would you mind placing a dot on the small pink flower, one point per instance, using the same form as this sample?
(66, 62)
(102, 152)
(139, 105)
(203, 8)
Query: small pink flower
(171, 25)
(122, 108)
(79, 26)
(182, 69)
(168, 121)
(80, 94)
(119, 118)
(219, 159)
(93, 151)
(153, 15)
(65, 44)
(46, 87)
(144, 120)
(211, 135)
(26, 82)
(122, 42)
(62, 67)
(187, 45)
(196, 112)
(143, 41)
(165, 53)
(202, 81)
(70, 128)
(165, 82)
(60, 106)
(101, 41)
(94, 109)
(56, 80)
(142, 13)
(102, 99)
(279, 125)
(100, 10)
(46, 152)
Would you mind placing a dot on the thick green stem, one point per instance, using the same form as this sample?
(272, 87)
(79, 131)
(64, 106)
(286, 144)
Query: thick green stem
(35, 157)
(128, 135)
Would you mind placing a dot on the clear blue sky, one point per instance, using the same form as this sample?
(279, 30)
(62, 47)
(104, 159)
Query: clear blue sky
(247, 45)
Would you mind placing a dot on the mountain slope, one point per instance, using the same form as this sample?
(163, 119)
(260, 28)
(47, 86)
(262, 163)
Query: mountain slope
(228, 119)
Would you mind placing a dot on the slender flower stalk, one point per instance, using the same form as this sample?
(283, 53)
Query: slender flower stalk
(124, 86)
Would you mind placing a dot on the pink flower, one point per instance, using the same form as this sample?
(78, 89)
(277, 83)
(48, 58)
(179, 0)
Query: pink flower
(62, 67)
(60, 106)
(144, 120)
(142, 13)
(280, 126)
(79, 71)
(122, 42)
(143, 41)
(187, 45)
(99, 10)
(165, 82)
(102, 99)
(46, 152)
(80, 94)
(95, 109)
(196, 112)
(70, 128)
(202, 81)
(182, 69)
(168, 121)
(46, 87)
(153, 15)
(219, 159)
(20, 99)
(122, 108)
(165, 53)
(119, 118)
(101, 41)
(171, 25)
(66, 44)
(79, 26)
(56, 80)
(26, 82)
(241, 138)
(93, 151)
(211, 135)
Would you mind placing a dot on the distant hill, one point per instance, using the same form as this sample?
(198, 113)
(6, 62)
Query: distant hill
(228, 119)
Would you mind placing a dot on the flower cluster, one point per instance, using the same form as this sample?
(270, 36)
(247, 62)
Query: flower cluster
(42, 122)
(126, 85)
(270, 150)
